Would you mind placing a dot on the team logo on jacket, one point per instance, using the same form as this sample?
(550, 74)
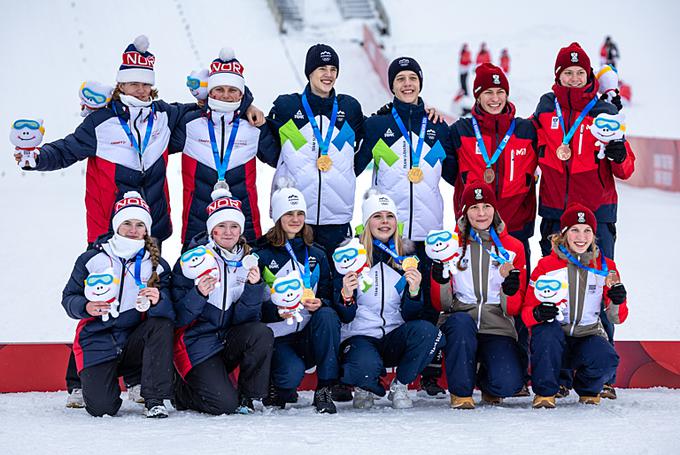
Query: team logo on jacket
(325, 56)
(478, 194)
(581, 216)
(431, 134)
(299, 115)
(293, 200)
(273, 265)
(341, 115)
(520, 152)
(574, 57)
(555, 123)
(496, 79)
(404, 62)
(388, 133)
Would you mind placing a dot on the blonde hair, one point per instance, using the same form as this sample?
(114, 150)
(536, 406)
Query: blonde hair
(154, 252)
(117, 92)
(366, 239)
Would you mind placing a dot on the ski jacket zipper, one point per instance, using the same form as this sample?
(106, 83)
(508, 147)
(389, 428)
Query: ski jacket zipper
(382, 298)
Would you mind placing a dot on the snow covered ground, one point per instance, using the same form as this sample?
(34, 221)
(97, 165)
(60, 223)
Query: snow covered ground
(639, 422)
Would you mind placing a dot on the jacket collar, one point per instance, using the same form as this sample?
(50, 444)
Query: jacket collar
(407, 110)
(318, 104)
(492, 124)
(571, 98)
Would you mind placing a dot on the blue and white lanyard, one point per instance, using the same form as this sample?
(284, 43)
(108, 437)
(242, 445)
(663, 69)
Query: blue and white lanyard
(415, 154)
(604, 272)
(306, 274)
(324, 143)
(126, 128)
(480, 142)
(567, 136)
(222, 164)
(504, 253)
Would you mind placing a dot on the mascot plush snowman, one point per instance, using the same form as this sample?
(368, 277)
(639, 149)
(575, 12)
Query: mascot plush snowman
(442, 246)
(197, 82)
(554, 288)
(286, 294)
(93, 96)
(199, 262)
(607, 128)
(103, 287)
(26, 135)
(352, 257)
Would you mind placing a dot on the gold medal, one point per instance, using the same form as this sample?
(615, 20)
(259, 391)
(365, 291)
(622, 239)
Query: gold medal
(415, 175)
(563, 152)
(505, 269)
(612, 278)
(324, 163)
(489, 175)
(308, 294)
(410, 262)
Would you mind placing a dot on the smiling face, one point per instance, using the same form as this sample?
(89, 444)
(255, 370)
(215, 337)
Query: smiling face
(574, 76)
(382, 225)
(493, 100)
(139, 90)
(287, 290)
(101, 287)
(579, 238)
(132, 229)
(226, 234)
(406, 87)
(481, 215)
(226, 93)
(197, 261)
(26, 133)
(292, 222)
(552, 288)
(322, 80)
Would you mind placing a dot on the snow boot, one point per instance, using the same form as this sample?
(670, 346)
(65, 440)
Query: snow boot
(323, 401)
(245, 405)
(363, 399)
(608, 392)
(462, 402)
(399, 395)
(155, 409)
(491, 399)
(563, 392)
(585, 399)
(430, 388)
(543, 402)
(341, 393)
(135, 394)
(75, 399)
(274, 399)
(523, 392)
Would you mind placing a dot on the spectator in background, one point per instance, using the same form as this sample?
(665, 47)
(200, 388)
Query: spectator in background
(505, 61)
(464, 67)
(483, 56)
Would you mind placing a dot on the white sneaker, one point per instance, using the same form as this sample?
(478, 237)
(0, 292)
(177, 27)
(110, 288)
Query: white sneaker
(75, 399)
(399, 395)
(363, 399)
(156, 412)
(135, 394)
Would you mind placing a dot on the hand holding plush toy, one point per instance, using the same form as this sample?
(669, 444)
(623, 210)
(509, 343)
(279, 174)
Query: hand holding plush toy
(352, 258)
(608, 128)
(442, 246)
(26, 135)
(287, 295)
(103, 287)
(554, 289)
(198, 262)
(93, 96)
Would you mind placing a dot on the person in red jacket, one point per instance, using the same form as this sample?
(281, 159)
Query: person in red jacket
(505, 61)
(562, 309)
(464, 67)
(483, 56)
(567, 151)
(487, 290)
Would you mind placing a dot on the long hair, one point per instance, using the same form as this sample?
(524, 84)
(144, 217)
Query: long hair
(467, 228)
(366, 239)
(560, 239)
(277, 237)
(117, 92)
(154, 252)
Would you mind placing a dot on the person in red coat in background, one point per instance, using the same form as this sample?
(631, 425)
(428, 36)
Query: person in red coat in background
(562, 308)
(505, 61)
(464, 67)
(479, 306)
(483, 56)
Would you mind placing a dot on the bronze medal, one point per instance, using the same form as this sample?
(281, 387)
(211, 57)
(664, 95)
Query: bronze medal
(563, 152)
(415, 175)
(489, 175)
(308, 294)
(612, 278)
(505, 269)
(324, 163)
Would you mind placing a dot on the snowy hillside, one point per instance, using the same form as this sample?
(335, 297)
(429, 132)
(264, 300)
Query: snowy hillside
(66, 42)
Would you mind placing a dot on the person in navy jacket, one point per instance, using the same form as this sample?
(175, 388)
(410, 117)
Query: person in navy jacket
(315, 340)
(218, 144)
(138, 341)
(380, 324)
(218, 319)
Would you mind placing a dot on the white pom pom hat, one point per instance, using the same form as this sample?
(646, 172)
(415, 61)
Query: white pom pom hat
(224, 208)
(286, 198)
(375, 201)
(226, 70)
(137, 63)
(132, 207)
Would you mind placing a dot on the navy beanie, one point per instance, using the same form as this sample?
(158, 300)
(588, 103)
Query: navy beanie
(404, 64)
(320, 55)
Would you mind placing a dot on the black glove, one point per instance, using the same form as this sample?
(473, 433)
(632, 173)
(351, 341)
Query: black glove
(545, 312)
(617, 294)
(616, 150)
(511, 283)
(386, 109)
(616, 99)
(438, 272)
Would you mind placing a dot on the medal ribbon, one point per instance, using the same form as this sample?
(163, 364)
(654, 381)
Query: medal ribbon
(567, 136)
(389, 250)
(126, 128)
(221, 164)
(415, 154)
(323, 143)
(306, 274)
(504, 253)
(501, 146)
(604, 272)
(138, 269)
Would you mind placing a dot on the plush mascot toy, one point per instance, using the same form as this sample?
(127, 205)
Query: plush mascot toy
(442, 246)
(197, 82)
(287, 295)
(607, 128)
(93, 96)
(26, 135)
(554, 288)
(198, 262)
(103, 287)
(351, 257)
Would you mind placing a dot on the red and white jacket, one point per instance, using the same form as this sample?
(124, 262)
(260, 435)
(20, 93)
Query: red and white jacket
(586, 290)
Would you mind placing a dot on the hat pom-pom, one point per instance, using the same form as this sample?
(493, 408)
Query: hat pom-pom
(141, 43)
(284, 182)
(129, 194)
(373, 191)
(227, 53)
(221, 189)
